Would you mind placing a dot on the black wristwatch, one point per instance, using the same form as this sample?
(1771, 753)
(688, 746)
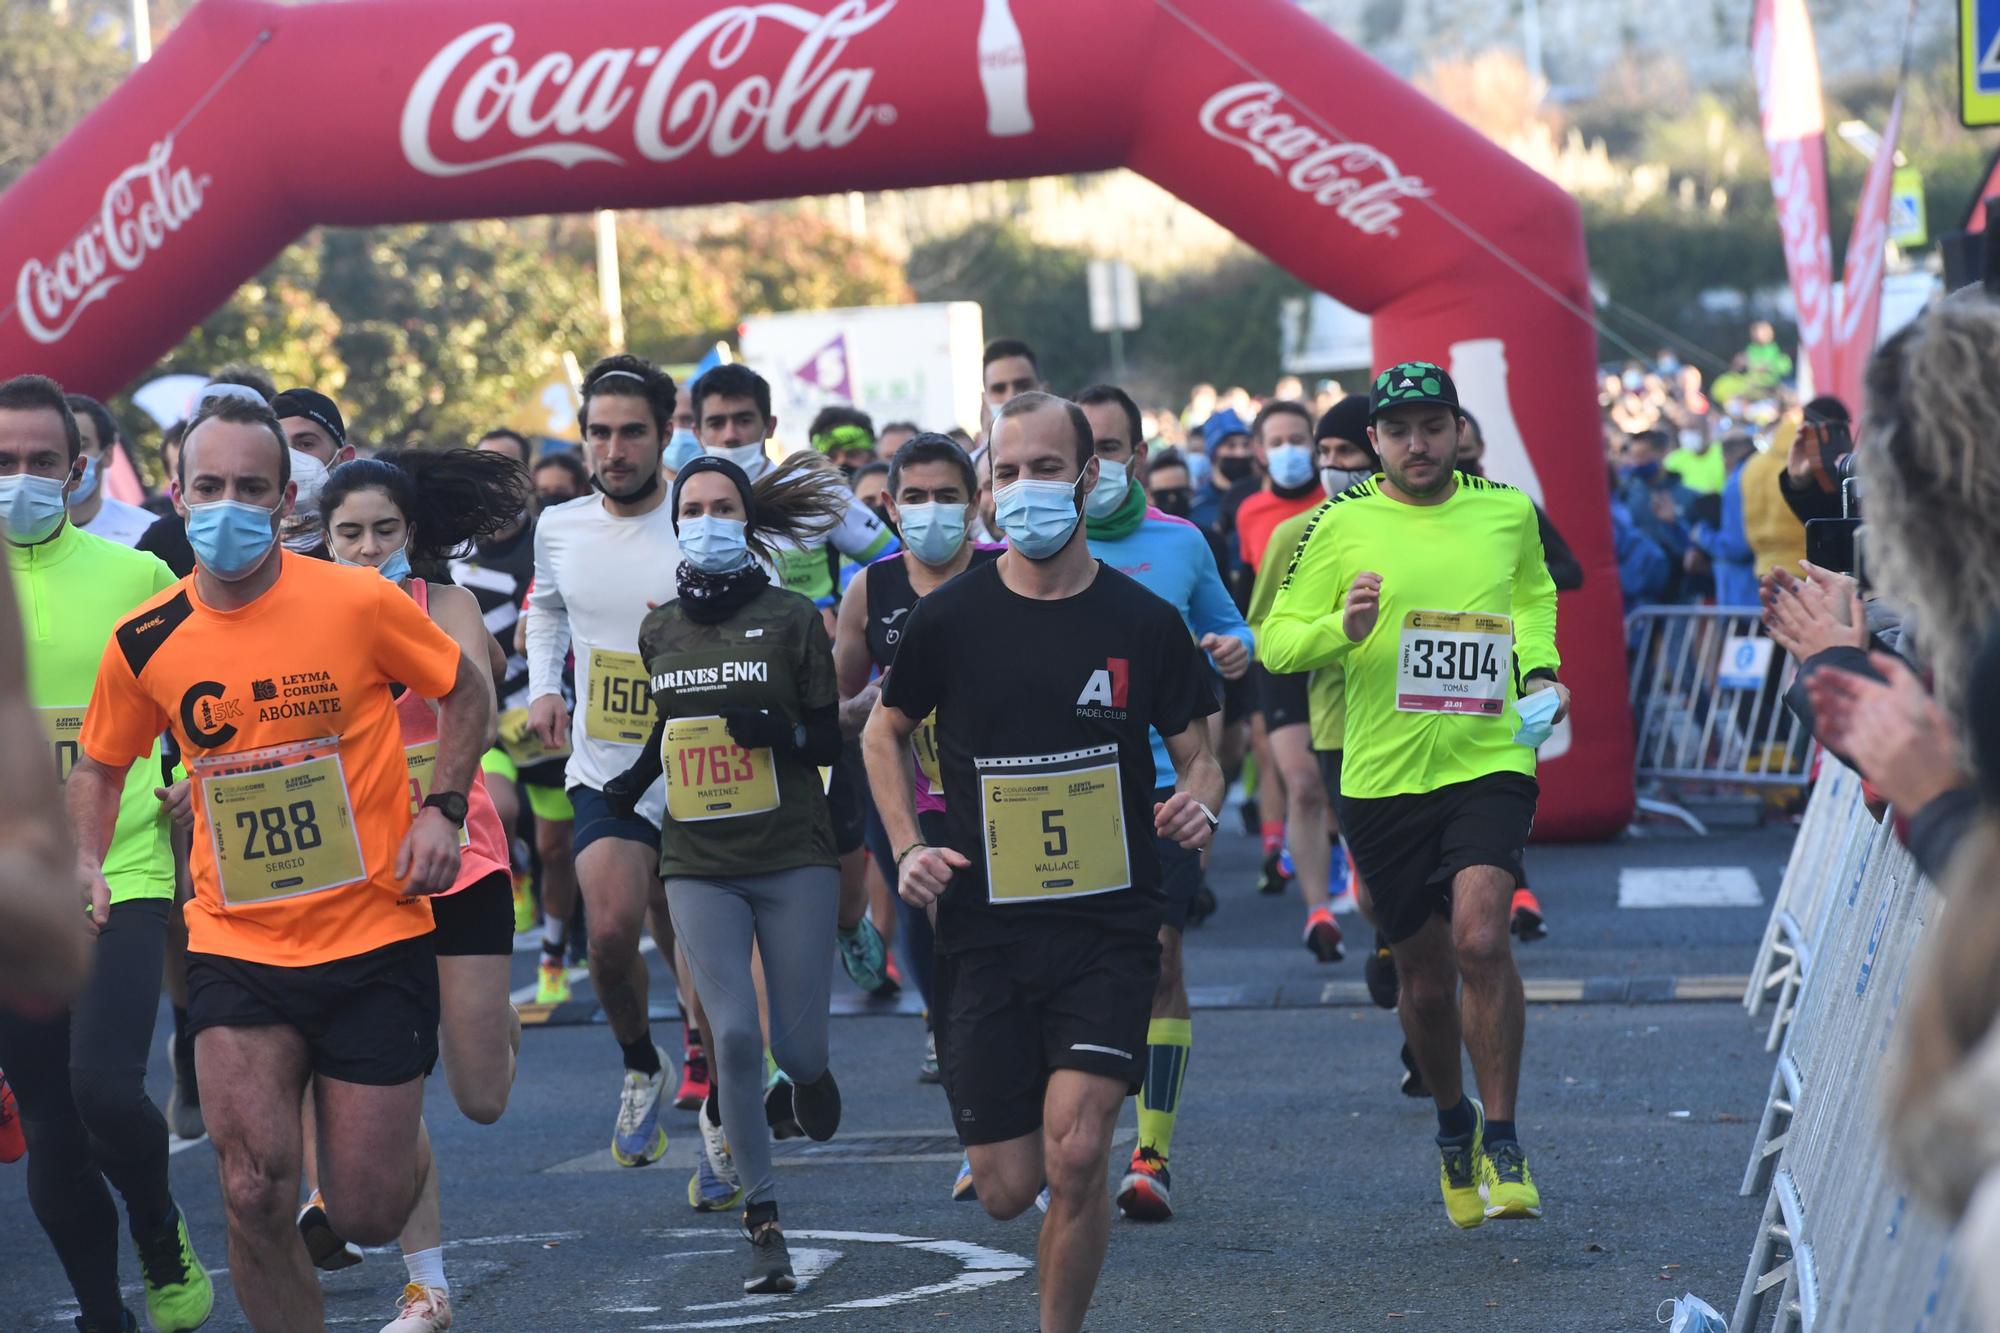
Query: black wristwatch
(450, 804)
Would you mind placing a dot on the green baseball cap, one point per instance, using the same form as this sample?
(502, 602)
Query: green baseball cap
(1410, 383)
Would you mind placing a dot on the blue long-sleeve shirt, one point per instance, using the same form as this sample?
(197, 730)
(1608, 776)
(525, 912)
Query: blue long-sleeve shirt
(1171, 559)
(1735, 560)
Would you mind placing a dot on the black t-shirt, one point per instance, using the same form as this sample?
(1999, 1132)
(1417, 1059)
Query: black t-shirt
(891, 598)
(1042, 709)
(168, 539)
(498, 574)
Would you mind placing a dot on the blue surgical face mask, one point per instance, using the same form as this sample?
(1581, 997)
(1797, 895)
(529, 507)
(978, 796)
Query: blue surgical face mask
(229, 537)
(714, 545)
(682, 449)
(86, 486)
(1114, 480)
(1537, 712)
(30, 507)
(1290, 465)
(934, 532)
(750, 457)
(1037, 517)
(395, 569)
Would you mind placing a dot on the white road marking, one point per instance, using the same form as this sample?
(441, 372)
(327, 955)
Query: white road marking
(1689, 886)
(177, 1146)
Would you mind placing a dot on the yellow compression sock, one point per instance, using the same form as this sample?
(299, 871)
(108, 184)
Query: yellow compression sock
(1168, 1041)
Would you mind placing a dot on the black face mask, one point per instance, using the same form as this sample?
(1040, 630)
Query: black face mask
(1234, 467)
(1174, 500)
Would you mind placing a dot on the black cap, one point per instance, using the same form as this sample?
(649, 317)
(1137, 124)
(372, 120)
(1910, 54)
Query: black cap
(311, 403)
(1345, 420)
(1408, 383)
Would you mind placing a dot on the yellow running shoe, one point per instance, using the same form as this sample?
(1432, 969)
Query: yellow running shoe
(1510, 1186)
(526, 918)
(551, 982)
(1463, 1170)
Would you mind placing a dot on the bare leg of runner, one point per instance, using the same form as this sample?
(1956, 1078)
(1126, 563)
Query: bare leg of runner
(479, 1033)
(1495, 1010)
(1427, 973)
(1305, 811)
(613, 875)
(558, 885)
(373, 1155)
(257, 1077)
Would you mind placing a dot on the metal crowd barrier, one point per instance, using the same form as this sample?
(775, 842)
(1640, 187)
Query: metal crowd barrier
(1840, 1244)
(1708, 692)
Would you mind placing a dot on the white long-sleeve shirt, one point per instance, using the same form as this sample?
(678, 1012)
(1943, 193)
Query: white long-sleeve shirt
(594, 575)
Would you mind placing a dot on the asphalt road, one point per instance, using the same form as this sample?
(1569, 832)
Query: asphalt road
(1307, 1186)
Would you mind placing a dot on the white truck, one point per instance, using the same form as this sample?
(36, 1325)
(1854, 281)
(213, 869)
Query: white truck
(917, 363)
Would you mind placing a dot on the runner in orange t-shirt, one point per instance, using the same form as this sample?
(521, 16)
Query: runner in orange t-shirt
(309, 942)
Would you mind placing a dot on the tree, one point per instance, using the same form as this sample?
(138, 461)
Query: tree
(52, 73)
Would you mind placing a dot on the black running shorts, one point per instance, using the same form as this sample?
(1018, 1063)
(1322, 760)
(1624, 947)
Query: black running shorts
(371, 1019)
(1282, 698)
(846, 790)
(1071, 997)
(1408, 848)
(478, 919)
(1180, 874)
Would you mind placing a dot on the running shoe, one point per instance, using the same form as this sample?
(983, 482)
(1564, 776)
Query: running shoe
(1380, 974)
(927, 1072)
(1144, 1195)
(1252, 817)
(184, 1097)
(1527, 922)
(526, 915)
(781, 1110)
(1462, 1171)
(694, 1079)
(1510, 1186)
(179, 1295)
(770, 1262)
(324, 1245)
(1343, 903)
(1042, 1199)
(423, 1310)
(715, 1186)
(1413, 1077)
(863, 955)
(1337, 874)
(13, 1144)
(1202, 906)
(816, 1107)
(962, 1189)
(551, 982)
(639, 1139)
(892, 980)
(1323, 936)
(1274, 879)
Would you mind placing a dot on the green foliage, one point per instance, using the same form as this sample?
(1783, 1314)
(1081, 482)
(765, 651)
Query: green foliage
(52, 74)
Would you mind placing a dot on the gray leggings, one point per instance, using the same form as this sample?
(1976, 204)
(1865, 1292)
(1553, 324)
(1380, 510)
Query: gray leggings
(791, 913)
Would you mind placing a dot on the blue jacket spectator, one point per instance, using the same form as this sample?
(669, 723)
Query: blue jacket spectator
(1642, 566)
(1735, 558)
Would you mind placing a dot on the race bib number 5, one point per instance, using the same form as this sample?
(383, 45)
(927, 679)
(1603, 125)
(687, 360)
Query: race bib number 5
(1454, 662)
(710, 776)
(1054, 826)
(280, 821)
(619, 706)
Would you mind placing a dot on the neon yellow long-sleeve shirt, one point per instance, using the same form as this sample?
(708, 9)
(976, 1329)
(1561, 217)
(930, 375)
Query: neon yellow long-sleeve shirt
(1468, 610)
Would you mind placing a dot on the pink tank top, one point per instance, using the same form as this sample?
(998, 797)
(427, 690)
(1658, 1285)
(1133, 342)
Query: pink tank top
(487, 850)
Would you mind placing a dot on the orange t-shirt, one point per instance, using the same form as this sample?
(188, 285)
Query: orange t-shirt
(286, 726)
(1259, 516)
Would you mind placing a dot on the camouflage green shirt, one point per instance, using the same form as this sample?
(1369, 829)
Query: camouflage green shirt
(732, 811)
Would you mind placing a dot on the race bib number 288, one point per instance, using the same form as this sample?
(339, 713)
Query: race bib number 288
(1454, 662)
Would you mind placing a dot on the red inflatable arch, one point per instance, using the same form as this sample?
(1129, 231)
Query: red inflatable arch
(257, 121)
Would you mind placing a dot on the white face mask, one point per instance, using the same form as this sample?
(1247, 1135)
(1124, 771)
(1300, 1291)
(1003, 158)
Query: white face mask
(1113, 482)
(750, 457)
(1334, 480)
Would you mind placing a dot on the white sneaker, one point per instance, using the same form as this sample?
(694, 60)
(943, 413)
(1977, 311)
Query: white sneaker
(424, 1310)
(639, 1139)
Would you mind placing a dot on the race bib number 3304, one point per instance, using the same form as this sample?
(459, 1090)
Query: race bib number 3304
(1454, 662)
(1054, 826)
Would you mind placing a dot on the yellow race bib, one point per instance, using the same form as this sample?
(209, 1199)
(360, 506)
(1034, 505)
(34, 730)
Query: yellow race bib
(1054, 826)
(710, 776)
(523, 744)
(923, 745)
(422, 760)
(1454, 662)
(64, 729)
(280, 821)
(618, 706)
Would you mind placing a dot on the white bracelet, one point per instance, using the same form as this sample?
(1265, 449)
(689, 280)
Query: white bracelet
(1213, 822)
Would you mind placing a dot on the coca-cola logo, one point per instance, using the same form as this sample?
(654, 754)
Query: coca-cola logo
(147, 203)
(670, 99)
(1359, 183)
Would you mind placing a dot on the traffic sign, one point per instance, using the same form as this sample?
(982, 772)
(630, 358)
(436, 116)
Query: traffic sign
(1979, 62)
